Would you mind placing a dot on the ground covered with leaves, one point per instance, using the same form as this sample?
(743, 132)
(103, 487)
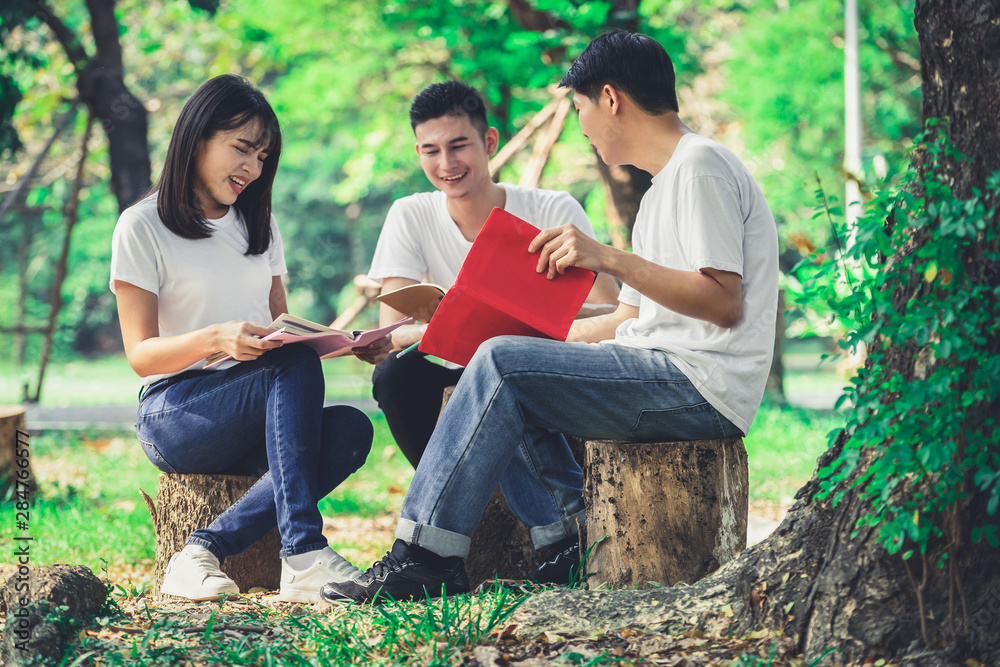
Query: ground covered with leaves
(476, 629)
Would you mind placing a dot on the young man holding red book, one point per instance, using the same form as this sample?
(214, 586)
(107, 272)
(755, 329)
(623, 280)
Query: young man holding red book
(685, 356)
(427, 236)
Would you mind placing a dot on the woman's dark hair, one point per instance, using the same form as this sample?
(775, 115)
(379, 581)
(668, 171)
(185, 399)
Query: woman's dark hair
(450, 98)
(631, 62)
(221, 104)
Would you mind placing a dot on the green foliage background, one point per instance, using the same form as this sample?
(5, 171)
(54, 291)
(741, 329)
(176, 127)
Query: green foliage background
(763, 77)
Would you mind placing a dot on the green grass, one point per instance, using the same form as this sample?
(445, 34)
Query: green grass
(88, 510)
(782, 448)
(433, 632)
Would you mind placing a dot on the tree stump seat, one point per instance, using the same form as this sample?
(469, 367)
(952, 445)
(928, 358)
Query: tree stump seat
(16, 479)
(185, 503)
(663, 512)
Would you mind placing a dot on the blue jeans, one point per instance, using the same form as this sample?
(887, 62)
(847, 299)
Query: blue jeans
(263, 418)
(503, 425)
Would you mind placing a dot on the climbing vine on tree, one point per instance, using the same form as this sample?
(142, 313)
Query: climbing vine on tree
(925, 440)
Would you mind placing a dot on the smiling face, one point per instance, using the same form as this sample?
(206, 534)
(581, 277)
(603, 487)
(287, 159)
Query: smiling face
(455, 156)
(224, 165)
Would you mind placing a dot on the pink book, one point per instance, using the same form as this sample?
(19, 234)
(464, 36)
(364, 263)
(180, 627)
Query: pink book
(327, 342)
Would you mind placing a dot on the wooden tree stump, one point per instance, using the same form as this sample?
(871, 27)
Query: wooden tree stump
(185, 503)
(667, 512)
(15, 468)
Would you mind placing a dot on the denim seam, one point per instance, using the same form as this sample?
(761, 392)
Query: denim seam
(221, 387)
(279, 452)
(232, 507)
(172, 470)
(539, 479)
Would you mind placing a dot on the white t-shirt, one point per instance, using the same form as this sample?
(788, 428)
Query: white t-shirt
(704, 210)
(420, 241)
(197, 282)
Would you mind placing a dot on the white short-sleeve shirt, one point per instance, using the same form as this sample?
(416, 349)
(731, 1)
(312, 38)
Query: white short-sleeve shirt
(197, 282)
(704, 210)
(420, 241)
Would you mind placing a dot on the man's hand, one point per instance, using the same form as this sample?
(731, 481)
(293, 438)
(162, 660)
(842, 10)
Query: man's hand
(562, 247)
(375, 352)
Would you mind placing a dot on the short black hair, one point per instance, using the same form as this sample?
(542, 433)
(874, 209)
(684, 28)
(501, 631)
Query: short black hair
(633, 63)
(221, 104)
(450, 98)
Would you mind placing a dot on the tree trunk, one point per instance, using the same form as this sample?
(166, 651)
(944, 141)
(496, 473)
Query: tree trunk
(501, 545)
(123, 116)
(826, 582)
(625, 186)
(40, 600)
(72, 215)
(185, 503)
(775, 387)
(663, 513)
(844, 588)
(13, 446)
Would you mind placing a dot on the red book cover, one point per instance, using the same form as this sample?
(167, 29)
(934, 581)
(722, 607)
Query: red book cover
(498, 292)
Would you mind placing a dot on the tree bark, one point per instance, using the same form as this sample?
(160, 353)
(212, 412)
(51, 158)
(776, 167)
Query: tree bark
(101, 83)
(13, 436)
(663, 513)
(123, 116)
(624, 185)
(774, 389)
(844, 588)
(41, 600)
(185, 503)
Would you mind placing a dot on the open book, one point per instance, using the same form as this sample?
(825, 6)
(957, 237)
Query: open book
(326, 341)
(417, 301)
(499, 292)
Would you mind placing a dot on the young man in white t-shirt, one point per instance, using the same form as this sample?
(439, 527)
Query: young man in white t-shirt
(685, 355)
(427, 236)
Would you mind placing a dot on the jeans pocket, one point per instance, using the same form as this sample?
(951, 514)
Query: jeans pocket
(689, 422)
(153, 454)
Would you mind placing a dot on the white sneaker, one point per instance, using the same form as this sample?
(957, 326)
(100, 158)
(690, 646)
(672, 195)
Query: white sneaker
(304, 585)
(194, 573)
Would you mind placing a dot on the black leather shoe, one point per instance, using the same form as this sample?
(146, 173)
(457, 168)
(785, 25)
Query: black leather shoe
(561, 564)
(401, 577)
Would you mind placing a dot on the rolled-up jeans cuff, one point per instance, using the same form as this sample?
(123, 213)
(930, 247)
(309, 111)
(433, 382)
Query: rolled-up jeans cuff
(440, 541)
(543, 536)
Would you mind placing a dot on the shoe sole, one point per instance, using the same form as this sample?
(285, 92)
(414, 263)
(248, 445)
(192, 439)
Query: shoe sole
(195, 596)
(304, 597)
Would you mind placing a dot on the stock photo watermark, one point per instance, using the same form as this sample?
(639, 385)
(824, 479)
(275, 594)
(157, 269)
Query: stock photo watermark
(20, 626)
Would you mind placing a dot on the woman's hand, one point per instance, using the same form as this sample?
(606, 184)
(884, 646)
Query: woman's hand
(375, 352)
(243, 341)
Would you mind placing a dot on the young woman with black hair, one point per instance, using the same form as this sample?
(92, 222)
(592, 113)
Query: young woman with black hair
(196, 267)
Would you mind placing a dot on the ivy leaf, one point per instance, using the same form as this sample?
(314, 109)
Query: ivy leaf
(930, 273)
